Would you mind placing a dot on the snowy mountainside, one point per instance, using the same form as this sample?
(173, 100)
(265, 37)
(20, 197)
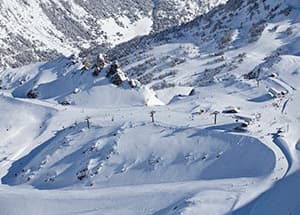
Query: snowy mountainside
(34, 30)
(212, 126)
(237, 47)
(212, 37)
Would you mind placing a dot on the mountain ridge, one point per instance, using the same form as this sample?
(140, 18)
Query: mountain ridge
(66, 27)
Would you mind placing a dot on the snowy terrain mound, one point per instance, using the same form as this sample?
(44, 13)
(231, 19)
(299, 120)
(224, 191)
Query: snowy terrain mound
(21, 123)
(68, 82)
(107, 156)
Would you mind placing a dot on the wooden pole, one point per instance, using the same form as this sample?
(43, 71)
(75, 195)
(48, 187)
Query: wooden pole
(88, 122)
(152, 116)
(215, 116)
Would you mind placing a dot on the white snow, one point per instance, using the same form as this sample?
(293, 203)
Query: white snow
(102, 154)
(118, 34)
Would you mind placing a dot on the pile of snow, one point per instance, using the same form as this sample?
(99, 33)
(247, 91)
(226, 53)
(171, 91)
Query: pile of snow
(118, 156)
(21, 124)
(112, 96)
(169, 94)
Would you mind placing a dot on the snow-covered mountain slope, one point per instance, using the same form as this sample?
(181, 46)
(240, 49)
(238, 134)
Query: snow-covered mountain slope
(248, 48)
(35, 30)
(182, 159)
(207, 46)
(220, 137)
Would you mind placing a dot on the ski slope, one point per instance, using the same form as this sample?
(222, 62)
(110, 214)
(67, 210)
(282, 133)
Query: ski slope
(103, 154)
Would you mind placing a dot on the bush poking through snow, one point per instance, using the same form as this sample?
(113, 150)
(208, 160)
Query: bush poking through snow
(82, 174)
(32, 94)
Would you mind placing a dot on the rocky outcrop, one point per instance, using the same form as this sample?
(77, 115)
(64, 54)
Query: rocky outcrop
(118, 77)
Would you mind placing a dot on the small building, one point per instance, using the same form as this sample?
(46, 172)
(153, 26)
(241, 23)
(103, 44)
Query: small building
(273, 75)
(275, 93)
(231, 110)
(245, 119)
(240, 129)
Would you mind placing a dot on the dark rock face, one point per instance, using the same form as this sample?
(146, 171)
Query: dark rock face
(116, 75)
